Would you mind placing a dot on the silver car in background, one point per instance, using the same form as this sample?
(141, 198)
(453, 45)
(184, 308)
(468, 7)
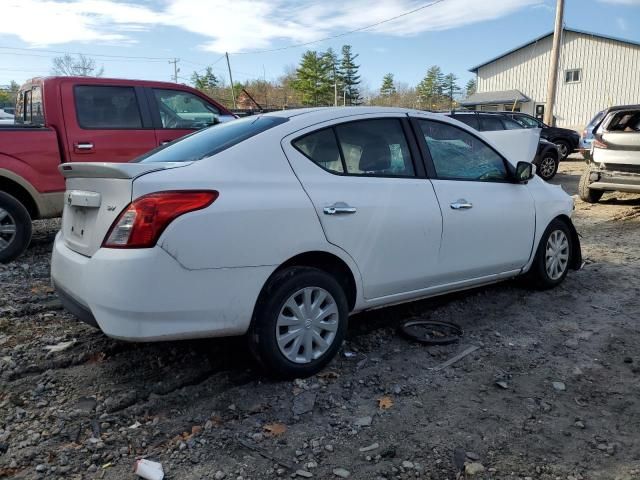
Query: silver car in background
(614, 163)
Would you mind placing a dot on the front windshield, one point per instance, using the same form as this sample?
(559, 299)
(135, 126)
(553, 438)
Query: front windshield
(212, 140)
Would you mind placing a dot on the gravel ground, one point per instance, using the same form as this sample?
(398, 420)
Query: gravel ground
(552, 392)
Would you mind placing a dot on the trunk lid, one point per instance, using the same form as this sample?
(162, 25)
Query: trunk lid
(620, 132)
(96, 193)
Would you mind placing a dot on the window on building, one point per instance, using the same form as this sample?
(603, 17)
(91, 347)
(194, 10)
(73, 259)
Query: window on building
(572, 76)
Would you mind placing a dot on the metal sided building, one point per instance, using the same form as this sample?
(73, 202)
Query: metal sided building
(594, 72)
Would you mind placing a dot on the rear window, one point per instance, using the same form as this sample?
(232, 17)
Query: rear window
(625, 121)
(471, 120)
(29, 107)
(491, 123)
(104, 107)
(212, 140)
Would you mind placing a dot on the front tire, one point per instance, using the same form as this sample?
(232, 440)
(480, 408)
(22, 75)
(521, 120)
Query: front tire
(299, 323)
(15, 228)
(563, 148)
(548, 166)
(587, 194)
(553, 257)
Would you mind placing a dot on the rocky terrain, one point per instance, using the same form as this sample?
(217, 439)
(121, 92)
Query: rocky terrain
(551, 393)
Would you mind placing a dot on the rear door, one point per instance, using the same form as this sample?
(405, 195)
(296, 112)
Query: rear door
(177, 113)
(372, 198)
(488, 221)
(106, 123)
(620, 133)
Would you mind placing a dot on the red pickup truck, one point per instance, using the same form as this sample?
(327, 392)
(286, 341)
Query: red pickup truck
(82, 119)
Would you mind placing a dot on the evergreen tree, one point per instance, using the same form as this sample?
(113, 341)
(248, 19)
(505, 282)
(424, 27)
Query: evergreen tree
(205, 82)
(350, 77)
(335, 75)
(451, 88)
(312, 79)
(431, 88)
(388, 88)
(471, 87)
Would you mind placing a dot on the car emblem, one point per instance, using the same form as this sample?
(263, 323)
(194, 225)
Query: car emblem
(111, 208)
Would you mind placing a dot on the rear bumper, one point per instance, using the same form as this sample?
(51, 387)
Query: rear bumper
(616, 181)
(146, 295)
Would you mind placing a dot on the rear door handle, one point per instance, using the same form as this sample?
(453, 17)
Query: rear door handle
(461, 204)
(164, 142)
(338, 208)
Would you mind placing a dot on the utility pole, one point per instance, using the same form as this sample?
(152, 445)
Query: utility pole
(233, 94)
(553, 65)
(175, 69)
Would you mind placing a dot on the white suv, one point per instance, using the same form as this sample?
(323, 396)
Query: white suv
(281, 225)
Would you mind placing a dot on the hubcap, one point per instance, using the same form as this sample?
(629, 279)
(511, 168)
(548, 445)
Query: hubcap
(7, 229)
(557, 254)
(307, 325)
(547, 166)
(562, 149)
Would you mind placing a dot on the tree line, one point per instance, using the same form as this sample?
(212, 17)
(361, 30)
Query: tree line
(321, 78)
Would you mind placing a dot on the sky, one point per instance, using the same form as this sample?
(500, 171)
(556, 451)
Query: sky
(137, 38)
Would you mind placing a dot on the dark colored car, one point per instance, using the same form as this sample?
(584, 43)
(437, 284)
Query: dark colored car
(547, 157)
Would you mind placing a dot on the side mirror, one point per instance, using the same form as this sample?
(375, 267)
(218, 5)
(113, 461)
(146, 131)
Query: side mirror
(525, 172)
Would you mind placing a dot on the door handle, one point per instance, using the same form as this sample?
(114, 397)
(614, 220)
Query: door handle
(84, 146)
(338, 208)
(461, 204)
(164, 142)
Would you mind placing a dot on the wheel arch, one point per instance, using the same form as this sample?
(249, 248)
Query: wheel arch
(322, 260)
(20, 193)
(576, 249)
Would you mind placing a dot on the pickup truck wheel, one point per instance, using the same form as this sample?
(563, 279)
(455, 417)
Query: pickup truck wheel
(553, 257)
(15, 228)
(299, 323)
(548, 166)
(563, 148)
(587, 194)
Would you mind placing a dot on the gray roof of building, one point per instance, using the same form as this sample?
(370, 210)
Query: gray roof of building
(505, 96)
(537, 39)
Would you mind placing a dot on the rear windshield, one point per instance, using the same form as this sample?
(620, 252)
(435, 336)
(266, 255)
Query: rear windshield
(626, 121)
(212, 140)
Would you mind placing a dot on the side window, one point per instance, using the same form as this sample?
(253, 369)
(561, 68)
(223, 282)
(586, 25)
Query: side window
(471, 120)
(511, 124)
(107, 107)
(458, 155)
(527, 122)
(367, 147)
(491, 123)
(375, 147)
(184, 110)
(322, 148)
(37, 115)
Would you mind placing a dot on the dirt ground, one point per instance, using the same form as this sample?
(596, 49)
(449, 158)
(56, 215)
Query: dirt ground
(379, 410)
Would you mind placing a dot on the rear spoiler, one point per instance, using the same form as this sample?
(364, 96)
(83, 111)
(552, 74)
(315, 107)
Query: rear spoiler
(114, 170)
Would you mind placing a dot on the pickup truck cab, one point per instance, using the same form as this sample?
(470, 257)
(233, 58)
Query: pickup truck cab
(84, 119)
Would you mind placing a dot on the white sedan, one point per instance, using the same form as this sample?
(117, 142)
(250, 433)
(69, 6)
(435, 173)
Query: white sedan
(279, 226)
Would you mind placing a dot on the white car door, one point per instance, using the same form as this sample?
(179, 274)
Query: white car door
(488, 220)
(368, 187)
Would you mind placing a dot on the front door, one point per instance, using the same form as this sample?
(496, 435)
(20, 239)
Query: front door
(110, 123)
(488, 221)
(362, 178)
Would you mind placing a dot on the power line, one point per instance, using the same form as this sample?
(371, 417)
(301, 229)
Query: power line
(343, 33)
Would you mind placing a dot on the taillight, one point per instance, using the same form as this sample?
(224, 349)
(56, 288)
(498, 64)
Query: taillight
(143, 221)
(600, 143)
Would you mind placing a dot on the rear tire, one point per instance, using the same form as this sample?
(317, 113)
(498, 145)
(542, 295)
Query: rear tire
(587, 194)
(299, 323)
(553, 257)
(547, 167)
(15, 228)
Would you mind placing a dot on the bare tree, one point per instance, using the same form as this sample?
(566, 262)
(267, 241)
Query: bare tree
(78, 66)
